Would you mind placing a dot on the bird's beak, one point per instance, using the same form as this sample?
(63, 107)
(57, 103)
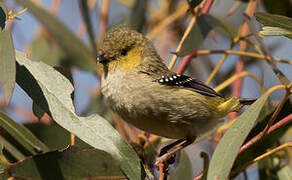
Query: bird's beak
(102, 59)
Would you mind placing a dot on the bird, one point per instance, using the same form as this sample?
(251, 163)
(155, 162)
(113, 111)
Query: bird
(145, 93)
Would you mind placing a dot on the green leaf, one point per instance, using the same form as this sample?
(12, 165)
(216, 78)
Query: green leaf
(283, 7)
(46, 51)
(2, 166)
(275, 31)
(54, 136)
(11, 149)
(281, 76)
(22, 135)
(3, 16)
(227, 149)
(270, 141)
(135, 19)
(79, 54)
(83, 4)
(7, 65)
(274, 20)
(194, 3)
(285, 173)
(205, 23)
(206, 159)
(93, 130)
(184, 169)
(71, 163)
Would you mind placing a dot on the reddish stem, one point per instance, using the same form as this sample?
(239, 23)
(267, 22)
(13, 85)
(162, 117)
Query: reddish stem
(244, 30)
(160, 166)
(207, 6)
(186, 60)
(255, 139)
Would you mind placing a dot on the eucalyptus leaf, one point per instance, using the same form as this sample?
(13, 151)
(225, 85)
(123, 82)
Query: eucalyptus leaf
(227, 149)
(275, 31)
(273, 20)
(3, 16)
(205, 23)
(79, 54)
(285, 173)
(7, 65)
(22, 135)
(71, 163)
(11, 149)
(283, 7)
(183, 169)
(93, 130)
(136, 18)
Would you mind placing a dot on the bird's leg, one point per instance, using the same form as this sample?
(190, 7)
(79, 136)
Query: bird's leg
(165, 156)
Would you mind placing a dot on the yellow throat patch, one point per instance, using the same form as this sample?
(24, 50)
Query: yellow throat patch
(128, 62)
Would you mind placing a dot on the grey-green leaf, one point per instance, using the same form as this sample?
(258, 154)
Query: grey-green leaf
(275, 31)
(285, 173)
(11, 149)
(93, 130)
(274, 20)
(79, 54)
(71, 163)
(22, 135)
(3, 16)
(7, 65)
(227, 149)
(205, 23)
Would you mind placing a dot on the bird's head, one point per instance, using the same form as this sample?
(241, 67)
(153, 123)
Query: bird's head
(122, 48)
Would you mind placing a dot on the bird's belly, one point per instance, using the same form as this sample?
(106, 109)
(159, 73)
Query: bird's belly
(161, 126)
(163, 111)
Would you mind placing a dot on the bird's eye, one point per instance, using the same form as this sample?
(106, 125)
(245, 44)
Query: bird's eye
(124, 52)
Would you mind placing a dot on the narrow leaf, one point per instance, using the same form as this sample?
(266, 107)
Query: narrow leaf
(93, 130)
(205, 23)
(3, 16)
(83, 4)
(11, 149)
(53, 135)
(285, 173)
(274, 20)
(184, 168)
(227, 149)
(275, 31)
(7, 65)
(75, 49)
(22, 135)
(283, 7)
(136, 18)
(71, 163)
(194, 3)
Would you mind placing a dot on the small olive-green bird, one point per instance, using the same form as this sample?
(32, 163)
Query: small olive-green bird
(145, 93)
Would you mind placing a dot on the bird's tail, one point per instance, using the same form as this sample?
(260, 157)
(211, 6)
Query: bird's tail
(247, 101)
(234, 104)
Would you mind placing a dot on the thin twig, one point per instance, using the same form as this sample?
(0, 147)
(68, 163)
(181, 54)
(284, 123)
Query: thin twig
(103, 18)
(242, 53)
(185, 62)
(165, 22)
(244, 30)
(281, 147)
(237, 76)
(188, 30)
(271, 129)
(218, 66)
(207, 6)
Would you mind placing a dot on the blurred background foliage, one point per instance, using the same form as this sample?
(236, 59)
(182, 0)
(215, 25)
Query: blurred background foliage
(242, 48)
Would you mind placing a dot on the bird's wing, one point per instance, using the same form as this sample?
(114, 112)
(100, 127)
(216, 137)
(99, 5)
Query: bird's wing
(189, 83)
